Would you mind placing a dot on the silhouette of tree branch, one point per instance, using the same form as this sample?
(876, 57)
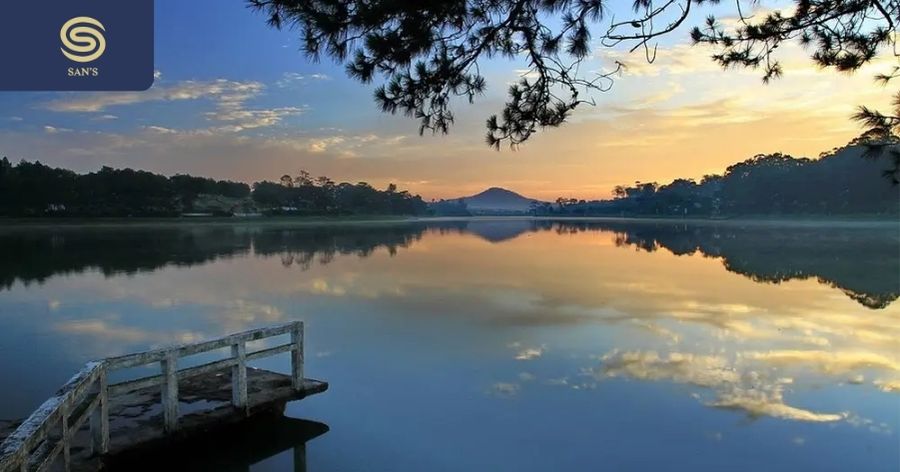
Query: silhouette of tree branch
(428, 51)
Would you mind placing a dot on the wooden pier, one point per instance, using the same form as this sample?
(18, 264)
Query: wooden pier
(91, 421)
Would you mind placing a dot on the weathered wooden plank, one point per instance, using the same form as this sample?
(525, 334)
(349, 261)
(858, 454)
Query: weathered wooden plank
(84, 414)
(45, 456)
(35, 428)
(170, 392)
(272, 351)
(144, 382)
(65, 437)
(14, 462)
(34, 445)
(137, 359)
(266, 390)
(239, 377)
(157, 355)
(132, 385)
(100, 417)
(300, 457)
(297, 355)
(136, 420)
(205, 368)
(227, 341)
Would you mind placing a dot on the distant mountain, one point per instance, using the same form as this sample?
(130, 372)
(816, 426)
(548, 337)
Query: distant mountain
(496, 199)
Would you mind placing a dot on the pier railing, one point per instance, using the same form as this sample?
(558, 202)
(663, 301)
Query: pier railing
(48, 433)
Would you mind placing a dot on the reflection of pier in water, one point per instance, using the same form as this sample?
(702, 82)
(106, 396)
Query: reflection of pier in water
(858, 259)
(233, 449)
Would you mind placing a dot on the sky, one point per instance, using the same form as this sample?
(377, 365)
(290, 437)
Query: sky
(236, 99)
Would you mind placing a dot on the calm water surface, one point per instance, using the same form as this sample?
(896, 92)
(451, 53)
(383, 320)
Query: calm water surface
(502, 345)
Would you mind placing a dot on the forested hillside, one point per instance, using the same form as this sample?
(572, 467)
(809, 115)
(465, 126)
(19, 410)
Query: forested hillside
(32, 189)
(845, 181)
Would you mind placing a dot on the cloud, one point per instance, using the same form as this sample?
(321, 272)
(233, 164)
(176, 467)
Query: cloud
(892, 385)
(322, 144)
(230, 98)
(341, 145)
(321, 286)
(162, 148)
(828, 362)
(289, 79)
(102, 329)
(694, 60)
(242, 119)
(54, 130)
(748, 390)
(658, 330)
(699, 370)
(674, 60)
(683, 89)
(770, 402)
(160, 129)
(529, 354)
(240, 313)
(221, 90)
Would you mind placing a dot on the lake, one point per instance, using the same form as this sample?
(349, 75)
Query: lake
(502, 344)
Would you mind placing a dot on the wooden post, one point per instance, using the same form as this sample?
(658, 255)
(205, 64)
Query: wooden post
(23, 460)
(100, 417)
(170, 392)
(297, 355)
(64, 436)
(239, 377)
(300, 458)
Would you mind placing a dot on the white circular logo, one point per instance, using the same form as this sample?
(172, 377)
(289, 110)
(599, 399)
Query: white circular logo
(82, 39)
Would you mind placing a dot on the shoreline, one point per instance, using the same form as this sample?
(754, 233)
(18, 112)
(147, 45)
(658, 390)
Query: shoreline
(154, 222)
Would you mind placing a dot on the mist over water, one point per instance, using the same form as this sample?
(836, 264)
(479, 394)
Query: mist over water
(527, 344)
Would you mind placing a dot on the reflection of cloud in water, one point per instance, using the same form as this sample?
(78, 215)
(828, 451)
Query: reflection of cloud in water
(888, 385)
(248, 312)
(529, 354)
(749, 391)
(766, 253)
(102, 329)
(562, 275)
(658, 330)
(526, 376)
(504, 389)
(827, 362)
(538, 281)
(110, 336)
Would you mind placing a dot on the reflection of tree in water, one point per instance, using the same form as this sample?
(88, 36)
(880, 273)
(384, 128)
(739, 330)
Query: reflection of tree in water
(301, 247)
(861, 261)
(35, 255)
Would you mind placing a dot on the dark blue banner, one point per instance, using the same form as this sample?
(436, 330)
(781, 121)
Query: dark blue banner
(76, 44)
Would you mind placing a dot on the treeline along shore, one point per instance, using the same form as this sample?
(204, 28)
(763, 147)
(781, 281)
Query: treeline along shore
(32, 189)
(851, 181)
